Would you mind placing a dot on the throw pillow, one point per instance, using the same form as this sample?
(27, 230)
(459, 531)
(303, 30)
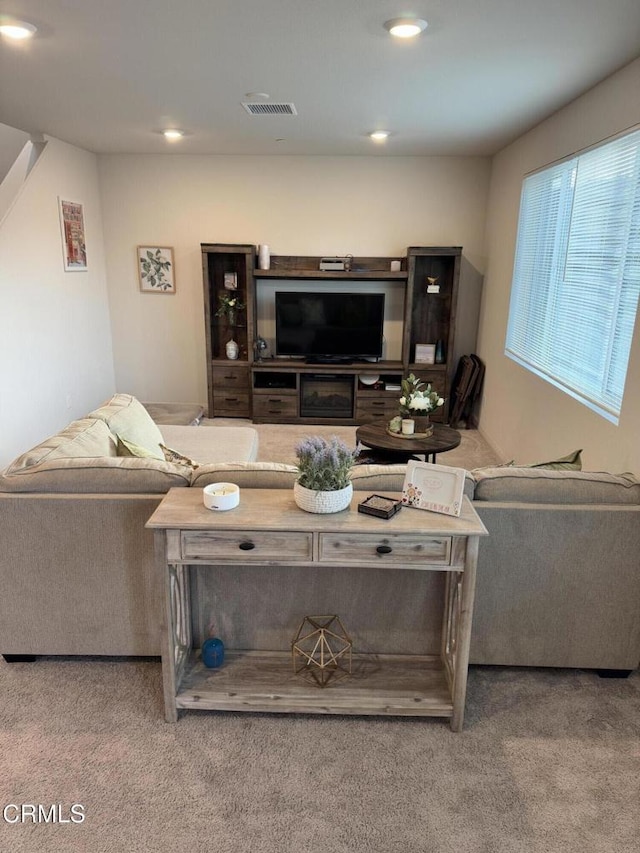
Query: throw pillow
(130, 448)
(179, 458)
(571, 462)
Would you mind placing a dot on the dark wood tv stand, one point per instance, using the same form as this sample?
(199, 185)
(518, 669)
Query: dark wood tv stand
(287, 390)
(280, 388)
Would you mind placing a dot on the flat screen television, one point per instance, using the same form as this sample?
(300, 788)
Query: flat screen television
(329, 327)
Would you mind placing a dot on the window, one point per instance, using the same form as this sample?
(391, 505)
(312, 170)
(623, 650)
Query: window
(576, 275)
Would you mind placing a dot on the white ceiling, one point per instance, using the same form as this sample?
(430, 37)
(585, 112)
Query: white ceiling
(106, 75)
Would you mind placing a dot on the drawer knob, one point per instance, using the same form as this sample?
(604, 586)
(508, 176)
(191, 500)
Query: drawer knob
(246, 546)
(384, 549)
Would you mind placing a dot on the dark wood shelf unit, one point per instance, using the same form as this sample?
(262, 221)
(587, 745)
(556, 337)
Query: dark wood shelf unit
(240, 388)
(228, 381)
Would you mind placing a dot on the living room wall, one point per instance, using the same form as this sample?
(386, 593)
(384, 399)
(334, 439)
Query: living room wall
(55, 346)
(373, 205)
(524, 417)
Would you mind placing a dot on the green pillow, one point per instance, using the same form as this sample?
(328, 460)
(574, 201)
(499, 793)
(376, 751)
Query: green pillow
(129, 448)
(571, 462)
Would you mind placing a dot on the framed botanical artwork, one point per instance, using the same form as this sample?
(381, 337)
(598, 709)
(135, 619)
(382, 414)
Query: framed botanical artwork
(156, 271)
(73, 239)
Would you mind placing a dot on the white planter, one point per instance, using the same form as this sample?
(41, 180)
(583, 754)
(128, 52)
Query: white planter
(311, 500)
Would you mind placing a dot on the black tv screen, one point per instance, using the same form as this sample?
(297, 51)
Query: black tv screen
(329, 325)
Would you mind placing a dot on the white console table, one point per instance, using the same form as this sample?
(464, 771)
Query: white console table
(269, 530)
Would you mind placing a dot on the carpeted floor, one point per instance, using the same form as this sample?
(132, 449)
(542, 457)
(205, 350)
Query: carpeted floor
(277, 442)
(548, 762)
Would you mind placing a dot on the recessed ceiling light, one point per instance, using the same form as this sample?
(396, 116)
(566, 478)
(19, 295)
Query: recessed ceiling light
(16, 29)
(172, 133)
(379, 135)
(405, 28)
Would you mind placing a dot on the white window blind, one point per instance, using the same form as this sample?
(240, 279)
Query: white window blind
(576, 275)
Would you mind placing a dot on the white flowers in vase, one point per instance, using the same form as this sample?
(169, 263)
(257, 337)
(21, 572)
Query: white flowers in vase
(418, 398)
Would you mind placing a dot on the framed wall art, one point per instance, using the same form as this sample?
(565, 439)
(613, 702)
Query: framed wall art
(156, 271)
(425, 354)
(73, 238)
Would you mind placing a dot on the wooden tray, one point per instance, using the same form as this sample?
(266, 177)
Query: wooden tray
(413, 435)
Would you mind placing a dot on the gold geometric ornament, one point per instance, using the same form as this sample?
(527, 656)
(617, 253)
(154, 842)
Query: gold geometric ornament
(321, 650)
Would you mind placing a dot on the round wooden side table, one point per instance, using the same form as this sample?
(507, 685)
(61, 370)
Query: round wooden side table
(396, 449)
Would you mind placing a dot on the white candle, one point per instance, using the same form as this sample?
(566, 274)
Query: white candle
(408, 426)
(221, 496)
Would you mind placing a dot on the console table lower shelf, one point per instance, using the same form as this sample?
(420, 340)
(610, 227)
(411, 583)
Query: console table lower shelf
(402, 685)
(268, 534)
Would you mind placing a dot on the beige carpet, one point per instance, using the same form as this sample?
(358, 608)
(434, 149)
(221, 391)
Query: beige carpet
(548, 762)
(277, 442)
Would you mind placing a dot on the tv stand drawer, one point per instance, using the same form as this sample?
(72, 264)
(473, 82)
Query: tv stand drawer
(275, 404)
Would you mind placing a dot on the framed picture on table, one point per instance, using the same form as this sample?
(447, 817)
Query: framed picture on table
(437, 488)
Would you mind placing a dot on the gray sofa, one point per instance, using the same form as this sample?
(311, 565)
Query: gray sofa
(558, 581)
(76, 562)
(558, 576)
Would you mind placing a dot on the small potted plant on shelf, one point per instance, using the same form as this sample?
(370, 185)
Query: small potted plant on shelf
(324, 475)
(229, 308)
(418, 400)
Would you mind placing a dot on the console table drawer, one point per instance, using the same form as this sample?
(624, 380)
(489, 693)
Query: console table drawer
(245, 547)
(391, 549)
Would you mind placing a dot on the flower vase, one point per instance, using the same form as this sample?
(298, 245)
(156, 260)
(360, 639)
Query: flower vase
(423, 425)
(312, 500)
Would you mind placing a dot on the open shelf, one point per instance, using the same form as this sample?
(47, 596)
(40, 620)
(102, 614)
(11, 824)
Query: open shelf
(265, 681)
(355, 275)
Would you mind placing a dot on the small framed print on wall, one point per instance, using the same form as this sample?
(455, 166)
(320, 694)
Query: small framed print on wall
(155, 269)
(73, 238)
(425, 354)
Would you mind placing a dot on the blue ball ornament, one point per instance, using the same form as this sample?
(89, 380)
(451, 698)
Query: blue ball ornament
(213, 652)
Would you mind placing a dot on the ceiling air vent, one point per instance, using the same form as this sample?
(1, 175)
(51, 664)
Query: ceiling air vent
(270, 109)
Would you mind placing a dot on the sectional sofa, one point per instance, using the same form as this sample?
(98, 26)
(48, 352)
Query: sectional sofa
(558, 576)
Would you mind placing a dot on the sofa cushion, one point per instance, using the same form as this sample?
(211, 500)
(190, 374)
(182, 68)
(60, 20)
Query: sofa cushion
(275, 475)
(84, 438)
(540, 485)
(128, 419)
(103, 475)
(247, 475)
(213, 444)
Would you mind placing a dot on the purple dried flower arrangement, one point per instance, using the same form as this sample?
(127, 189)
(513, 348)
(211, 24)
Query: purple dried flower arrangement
(324, 465)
